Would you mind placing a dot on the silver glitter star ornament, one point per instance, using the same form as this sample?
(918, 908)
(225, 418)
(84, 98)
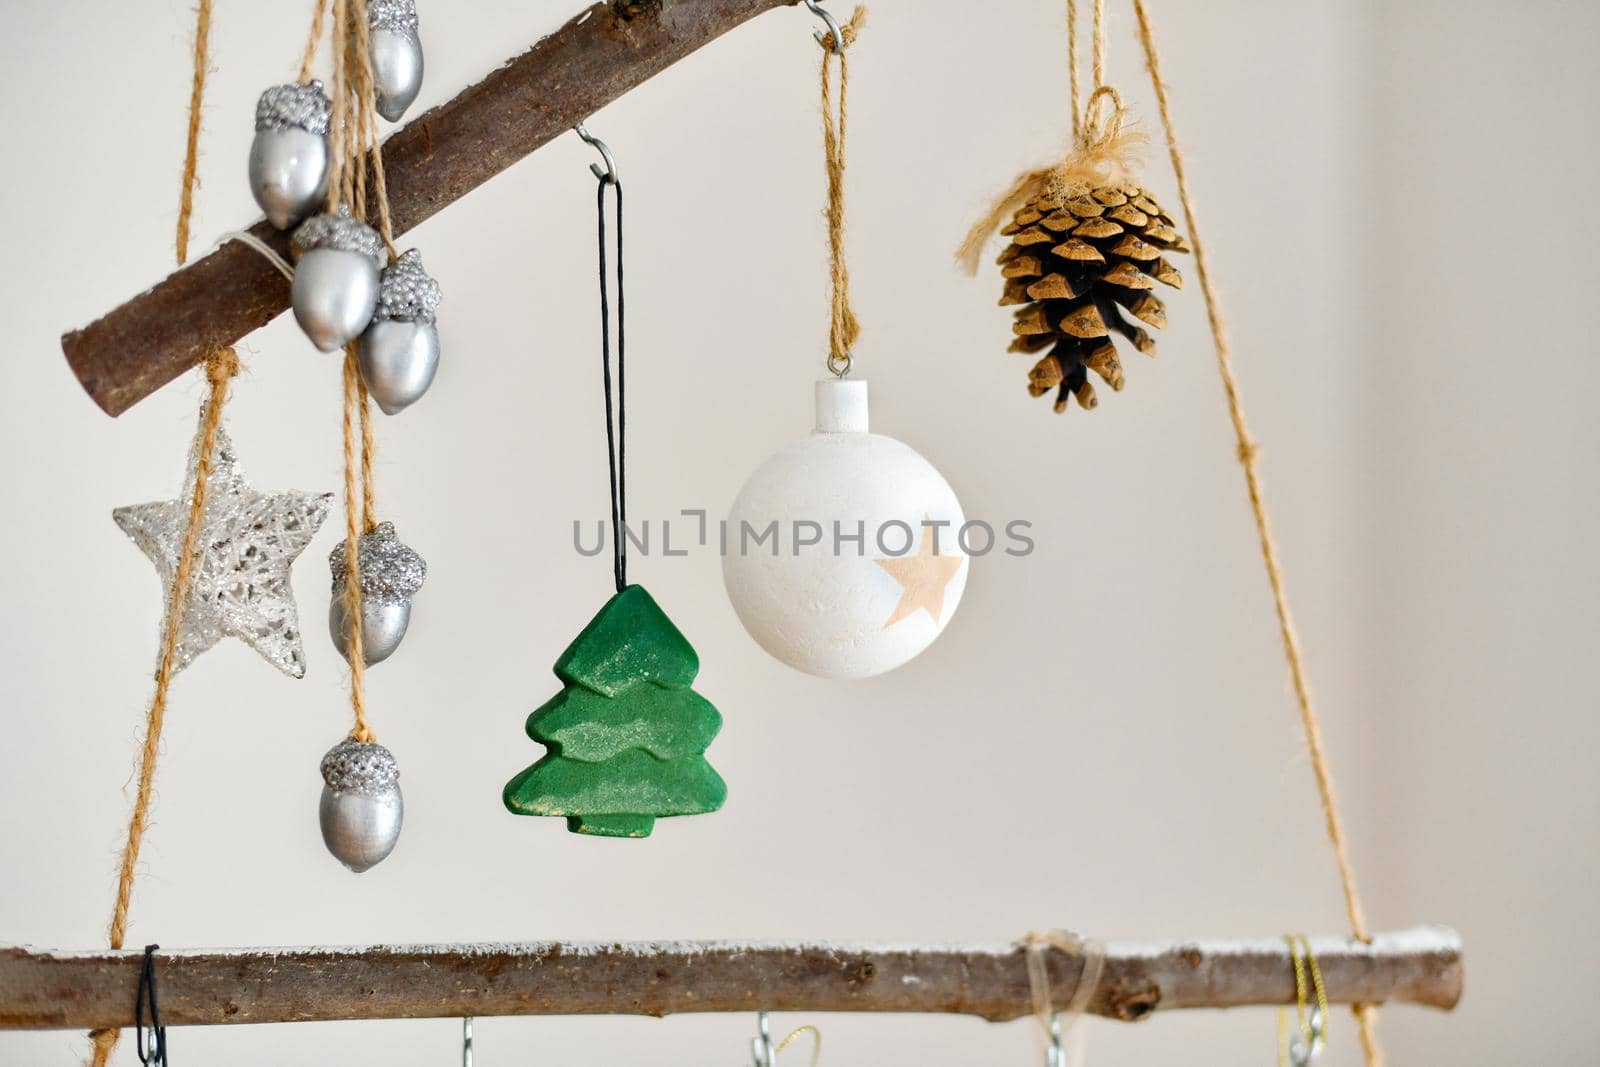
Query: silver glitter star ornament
(240, 584)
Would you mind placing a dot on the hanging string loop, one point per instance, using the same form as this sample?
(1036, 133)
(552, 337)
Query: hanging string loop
(150, 1041)
(843, 327)
(1052, 1023)
(616, 414)
(1099, 126)
(1311, 1008)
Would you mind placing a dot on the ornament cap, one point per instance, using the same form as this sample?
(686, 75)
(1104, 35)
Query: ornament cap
(391, 570)
(841, 406)
(297, 105)
(354, 766)
(406, 293)
(398, 16)
(339, 232)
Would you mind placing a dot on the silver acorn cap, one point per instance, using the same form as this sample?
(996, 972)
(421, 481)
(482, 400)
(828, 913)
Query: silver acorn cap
(354, 766)
(391, 571)
(341, 232)
(297, 105)
(407, 293)
(398, 16)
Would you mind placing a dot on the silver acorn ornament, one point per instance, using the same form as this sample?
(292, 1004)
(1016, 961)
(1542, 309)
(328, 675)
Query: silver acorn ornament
(396, 55)
(400, 350)
(289, 160)
(335, 288)
(361, 809)
(391, 572)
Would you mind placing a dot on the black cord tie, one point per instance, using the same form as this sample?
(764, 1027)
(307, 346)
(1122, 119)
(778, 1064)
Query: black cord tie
(617, 429)
(151, 1041)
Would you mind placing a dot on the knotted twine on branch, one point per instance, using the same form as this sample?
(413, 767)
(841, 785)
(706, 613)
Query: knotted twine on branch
(843, 327)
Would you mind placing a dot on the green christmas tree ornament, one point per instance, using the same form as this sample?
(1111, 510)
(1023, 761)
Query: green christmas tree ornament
(626, 734)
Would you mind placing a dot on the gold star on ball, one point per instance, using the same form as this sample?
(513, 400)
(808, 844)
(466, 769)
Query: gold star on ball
(240, 582)
(923, 578)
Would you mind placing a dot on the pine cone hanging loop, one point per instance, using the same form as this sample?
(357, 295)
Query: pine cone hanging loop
(1095, 128)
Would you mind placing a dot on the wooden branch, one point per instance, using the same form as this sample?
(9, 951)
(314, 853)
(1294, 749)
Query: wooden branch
(435, 160)
(42, 991)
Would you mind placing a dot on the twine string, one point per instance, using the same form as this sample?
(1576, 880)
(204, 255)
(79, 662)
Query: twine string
(366, 103)
(191, 151)
(319, 15)
(338, 132)
(355, 117)
(1249, 457)
(616, 425)
(354, 649)
(221, 368)
(257, 245)
(1072, 70)
(843, 327)
(1098, 59)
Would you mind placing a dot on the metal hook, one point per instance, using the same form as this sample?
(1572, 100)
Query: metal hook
(466, 1041)
(833, 27)
(610, 173)
(761, 1047)
(1055, 1054)
(1302, 1051)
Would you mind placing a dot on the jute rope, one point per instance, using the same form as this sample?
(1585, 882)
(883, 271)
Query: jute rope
(1072, 68)
(365, 101)
(357, 155)
(354, 396)
(1098, 58)
(220, 370)
(319, 15)
(1249, 457)
(191, 152)
(844, 329)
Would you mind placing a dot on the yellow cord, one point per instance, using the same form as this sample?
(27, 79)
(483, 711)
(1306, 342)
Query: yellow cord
(1305, 961)
(816, 1041)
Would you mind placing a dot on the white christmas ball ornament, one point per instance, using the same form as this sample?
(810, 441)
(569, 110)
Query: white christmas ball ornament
(842, 554)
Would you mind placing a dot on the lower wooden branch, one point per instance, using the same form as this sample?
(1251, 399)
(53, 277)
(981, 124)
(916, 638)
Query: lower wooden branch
(41, 990)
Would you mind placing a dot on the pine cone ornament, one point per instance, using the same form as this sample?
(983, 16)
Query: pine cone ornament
(1074, 262)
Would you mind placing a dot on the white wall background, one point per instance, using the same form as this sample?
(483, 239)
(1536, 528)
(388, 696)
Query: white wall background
(1399, 200)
